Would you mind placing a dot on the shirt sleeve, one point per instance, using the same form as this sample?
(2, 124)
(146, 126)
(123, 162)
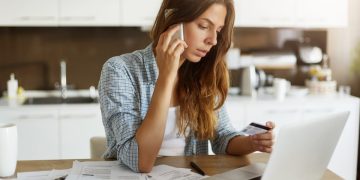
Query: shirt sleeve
(121, 112)
(224, 132)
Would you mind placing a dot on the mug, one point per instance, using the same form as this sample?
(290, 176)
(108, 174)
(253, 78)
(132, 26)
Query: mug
(8, 149)
(281, 86)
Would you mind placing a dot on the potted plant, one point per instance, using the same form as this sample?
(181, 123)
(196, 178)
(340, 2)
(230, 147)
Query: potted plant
(355, 57)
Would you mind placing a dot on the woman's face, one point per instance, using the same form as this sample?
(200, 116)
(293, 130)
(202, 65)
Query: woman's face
(201, 34)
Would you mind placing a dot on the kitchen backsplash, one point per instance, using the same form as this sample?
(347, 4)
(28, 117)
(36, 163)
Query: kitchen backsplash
(34, 53)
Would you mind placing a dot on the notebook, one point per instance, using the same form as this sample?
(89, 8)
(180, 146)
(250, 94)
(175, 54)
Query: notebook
(302, 150)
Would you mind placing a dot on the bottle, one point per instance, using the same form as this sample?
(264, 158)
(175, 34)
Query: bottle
(12, 86)
(326, 71)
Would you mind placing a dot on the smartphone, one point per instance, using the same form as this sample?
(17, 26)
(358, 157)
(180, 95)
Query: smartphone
(255, 128)
(180, 33)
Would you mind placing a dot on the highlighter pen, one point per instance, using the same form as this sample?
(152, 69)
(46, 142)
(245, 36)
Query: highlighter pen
(197, 168)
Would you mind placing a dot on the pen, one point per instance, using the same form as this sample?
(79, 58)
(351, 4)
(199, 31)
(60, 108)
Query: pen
(62, 177)
(197, 168)
(87, 174)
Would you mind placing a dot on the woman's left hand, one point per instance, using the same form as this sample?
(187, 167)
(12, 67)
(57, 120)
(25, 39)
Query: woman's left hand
(264, 142)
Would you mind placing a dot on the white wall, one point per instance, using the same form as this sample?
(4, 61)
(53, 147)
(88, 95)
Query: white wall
(341, 42)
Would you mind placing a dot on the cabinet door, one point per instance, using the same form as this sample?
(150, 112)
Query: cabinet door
(28, 12)
(321, 13)
(89, 12)
(77, 126)
(264, 13)
(37, 132)
(134, 14)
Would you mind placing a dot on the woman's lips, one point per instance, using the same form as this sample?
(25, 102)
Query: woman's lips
(201, 53)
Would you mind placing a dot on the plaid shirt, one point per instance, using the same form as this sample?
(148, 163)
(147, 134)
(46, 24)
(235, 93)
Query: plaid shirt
(126, 85)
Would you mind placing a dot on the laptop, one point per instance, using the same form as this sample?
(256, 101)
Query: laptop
(302, 150)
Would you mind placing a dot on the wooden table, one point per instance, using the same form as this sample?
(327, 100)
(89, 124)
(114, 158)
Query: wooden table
(210, 164)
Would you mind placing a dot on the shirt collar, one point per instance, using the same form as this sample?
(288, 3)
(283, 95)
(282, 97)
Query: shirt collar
(151, 67)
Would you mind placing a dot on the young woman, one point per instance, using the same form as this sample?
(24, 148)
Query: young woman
(167, 99)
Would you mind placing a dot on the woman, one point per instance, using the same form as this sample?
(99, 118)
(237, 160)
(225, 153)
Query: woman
(167, 99)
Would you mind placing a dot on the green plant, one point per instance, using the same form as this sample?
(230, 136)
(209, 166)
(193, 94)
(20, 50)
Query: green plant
(355, 57)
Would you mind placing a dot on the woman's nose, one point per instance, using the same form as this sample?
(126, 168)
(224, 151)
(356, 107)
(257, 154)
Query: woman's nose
(212, 39)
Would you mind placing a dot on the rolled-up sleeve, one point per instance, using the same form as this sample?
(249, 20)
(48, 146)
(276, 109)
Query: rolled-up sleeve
(224, 132)
(121, 113)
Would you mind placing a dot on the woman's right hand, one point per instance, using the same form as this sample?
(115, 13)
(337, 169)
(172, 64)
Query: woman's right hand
(168, 52)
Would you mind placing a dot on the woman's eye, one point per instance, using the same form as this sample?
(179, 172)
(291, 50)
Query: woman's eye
(203, 27)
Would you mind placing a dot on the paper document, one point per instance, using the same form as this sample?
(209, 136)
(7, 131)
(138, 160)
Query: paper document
(91, 170)
(104, 170)
(43, 175)
(165, 172)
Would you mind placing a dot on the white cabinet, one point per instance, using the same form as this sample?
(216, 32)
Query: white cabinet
(321, 13)
(249, 13)
(89, 12)
(54, 131)
(344, 159)
(37, 132)
(77, 126)
(139, 12)
(265, 13)
(291, 13)
(28, 12)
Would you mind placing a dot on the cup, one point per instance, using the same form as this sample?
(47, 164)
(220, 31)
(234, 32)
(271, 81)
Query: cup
(280, 88)
(344, 90)
(8, 149)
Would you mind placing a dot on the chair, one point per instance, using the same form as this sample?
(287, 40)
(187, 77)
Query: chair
(97, 147)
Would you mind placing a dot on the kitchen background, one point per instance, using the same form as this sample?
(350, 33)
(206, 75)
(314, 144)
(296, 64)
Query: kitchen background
(35, 35)
(34, 53)
(33, 39)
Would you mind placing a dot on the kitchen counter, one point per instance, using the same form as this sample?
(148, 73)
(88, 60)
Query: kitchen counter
(18, 102)
(47, 131)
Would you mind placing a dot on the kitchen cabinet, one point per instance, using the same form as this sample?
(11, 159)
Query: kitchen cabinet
(344, 159)
(135, 15)
(265, 13)
(249, 13)
(321, 13)
(291, 13)
(89, 12)
(37, 132)
(54, 131)
(28, 12)
(77, 126)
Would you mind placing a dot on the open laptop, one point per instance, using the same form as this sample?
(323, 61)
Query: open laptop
(302, 151)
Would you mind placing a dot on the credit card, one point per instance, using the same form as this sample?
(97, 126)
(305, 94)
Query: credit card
(255, 128)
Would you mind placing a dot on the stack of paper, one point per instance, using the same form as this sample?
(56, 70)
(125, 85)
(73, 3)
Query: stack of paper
(43, 175)
(98, 170)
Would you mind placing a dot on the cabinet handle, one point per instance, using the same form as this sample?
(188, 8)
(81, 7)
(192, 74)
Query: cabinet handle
(36, 18)
(78, 18)
(39, 116)
(74, 116)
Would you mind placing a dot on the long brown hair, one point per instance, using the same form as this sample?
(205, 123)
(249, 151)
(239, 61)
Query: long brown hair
(203, 86)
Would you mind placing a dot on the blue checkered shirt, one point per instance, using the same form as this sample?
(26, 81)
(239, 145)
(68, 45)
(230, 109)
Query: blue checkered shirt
(126, 85)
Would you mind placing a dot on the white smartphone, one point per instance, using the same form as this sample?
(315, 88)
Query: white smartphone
(255, 128)
(180, 34)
